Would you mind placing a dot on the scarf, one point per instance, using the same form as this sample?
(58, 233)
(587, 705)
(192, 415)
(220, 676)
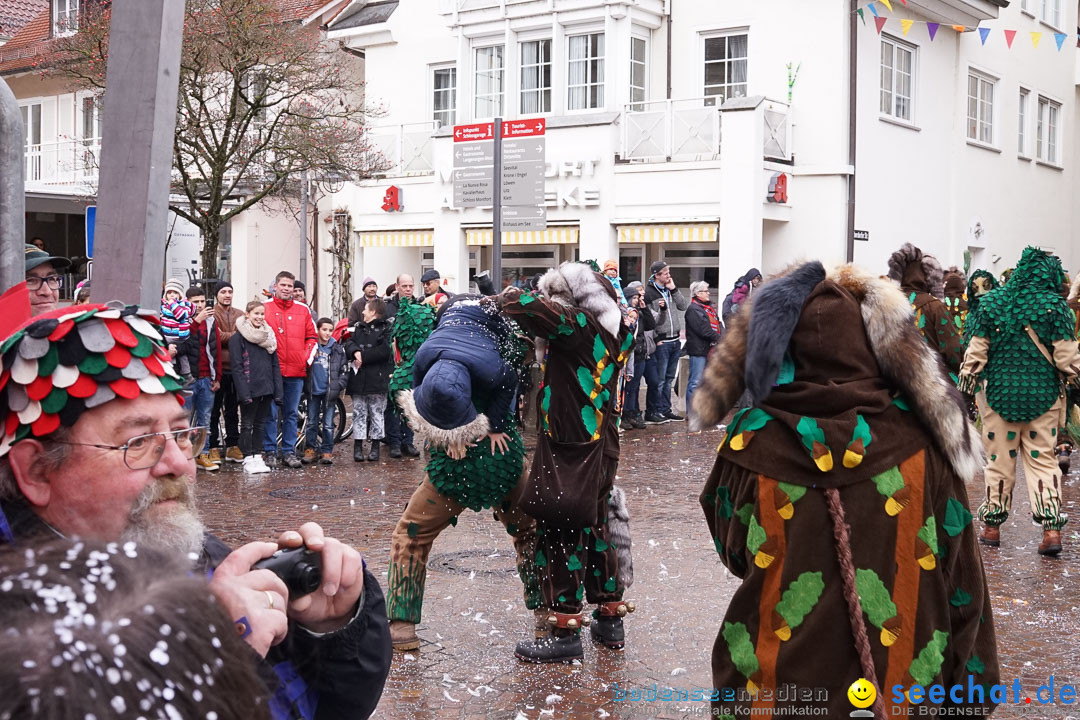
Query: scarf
(710, 312)
(260, 336)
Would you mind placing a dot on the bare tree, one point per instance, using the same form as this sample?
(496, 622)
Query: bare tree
(261, 100)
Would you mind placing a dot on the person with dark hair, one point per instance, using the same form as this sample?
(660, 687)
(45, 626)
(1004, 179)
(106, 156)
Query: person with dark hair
(326, 379)
(369, 289)
(703, 331)
(300, 296)
(838, 498)
(665, 304)
(112, 630)
(921, 278)
(43, 279)
(295, 331)
(431, 280)
(202, 348)
(368, 353)
(225, 441)
(107, 454)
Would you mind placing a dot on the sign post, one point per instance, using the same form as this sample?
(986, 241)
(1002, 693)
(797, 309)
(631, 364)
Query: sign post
(496, 211)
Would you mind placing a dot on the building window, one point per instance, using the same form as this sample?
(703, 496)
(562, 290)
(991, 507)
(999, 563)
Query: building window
(585, 83)
(980, 112)
(535, 77)
(637, 73)
(1050, 12)
(255, 90)
(1025, 5)
(1021, 124)
(1048, 121)
(65, 15)
(897, 78)
(725, 67)
(444, 99)
(489, 81)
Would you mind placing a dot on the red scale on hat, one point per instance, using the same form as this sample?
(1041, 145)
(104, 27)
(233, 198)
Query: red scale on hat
(83, 388)
(45, 424)
(122, 334)
(4, 379)
(11, 424)
(128, 389)
(153, 364)
(40, 388)
(119, 356)
(61, 330)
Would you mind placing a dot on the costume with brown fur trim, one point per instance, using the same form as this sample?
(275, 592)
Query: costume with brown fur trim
(922, 280)
(856, 429)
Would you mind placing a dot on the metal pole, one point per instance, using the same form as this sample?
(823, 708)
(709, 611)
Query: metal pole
(303, 230)
(12, 192)
(141, 81)
(496, 211)
(853, 76)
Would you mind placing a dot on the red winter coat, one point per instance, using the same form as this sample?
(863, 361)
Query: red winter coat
(295, 332)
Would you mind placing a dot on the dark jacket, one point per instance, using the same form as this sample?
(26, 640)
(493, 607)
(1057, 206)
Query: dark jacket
(255, 372)
(700, 337)
(669, 321)
(337, 373)
(469, 335)
(373, 342)
(645, 324)
(202, 347)
(340, 675)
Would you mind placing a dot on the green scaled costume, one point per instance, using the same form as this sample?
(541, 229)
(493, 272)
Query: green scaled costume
(980, 283)
(413, 323)
(1020, 384)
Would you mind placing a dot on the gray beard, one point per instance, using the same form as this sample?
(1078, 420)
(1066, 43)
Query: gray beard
(180, 531)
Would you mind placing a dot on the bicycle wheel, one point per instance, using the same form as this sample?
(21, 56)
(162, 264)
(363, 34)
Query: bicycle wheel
(343, 421)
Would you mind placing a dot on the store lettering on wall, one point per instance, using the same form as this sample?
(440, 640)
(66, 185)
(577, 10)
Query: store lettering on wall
(563, 195)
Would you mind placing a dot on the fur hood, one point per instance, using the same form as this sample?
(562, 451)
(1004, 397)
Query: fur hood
(436, 436)
(911, 268)
(902, 355)
(576, 285)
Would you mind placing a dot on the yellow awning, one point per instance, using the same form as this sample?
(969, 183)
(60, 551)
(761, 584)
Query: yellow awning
(668, 233)
(551, 236)
(396, 238)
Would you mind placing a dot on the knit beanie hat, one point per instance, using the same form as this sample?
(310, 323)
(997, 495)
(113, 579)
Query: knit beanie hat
(74, 359)
(174, 284)
(611, 265)
(369, 281)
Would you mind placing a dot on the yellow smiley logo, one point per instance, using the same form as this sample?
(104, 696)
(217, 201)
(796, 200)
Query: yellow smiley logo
(861, 694)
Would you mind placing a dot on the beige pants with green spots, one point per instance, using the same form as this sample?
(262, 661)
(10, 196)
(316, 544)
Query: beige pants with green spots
(1034, 443)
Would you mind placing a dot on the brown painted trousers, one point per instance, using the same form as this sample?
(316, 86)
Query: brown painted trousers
(428, 514)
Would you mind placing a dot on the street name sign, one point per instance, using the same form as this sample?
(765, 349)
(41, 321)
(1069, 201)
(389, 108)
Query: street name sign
(523, 182)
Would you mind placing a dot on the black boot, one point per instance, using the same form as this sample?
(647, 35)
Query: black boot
(373, 456)
(409, 450)
(358, 450)
(608, 631)
(551, 648)
(395, 451)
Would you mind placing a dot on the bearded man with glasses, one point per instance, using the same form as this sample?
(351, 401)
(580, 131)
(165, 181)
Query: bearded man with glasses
(95, 444)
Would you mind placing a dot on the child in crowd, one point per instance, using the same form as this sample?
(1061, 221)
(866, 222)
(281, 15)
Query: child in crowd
(202, 350)
(256, 374)
(611, 272)
(176, 315)
(326, 380)
(369, 352)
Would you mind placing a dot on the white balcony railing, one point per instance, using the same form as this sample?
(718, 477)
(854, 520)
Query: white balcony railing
(661, 130)
(404, 149)
(63, 162)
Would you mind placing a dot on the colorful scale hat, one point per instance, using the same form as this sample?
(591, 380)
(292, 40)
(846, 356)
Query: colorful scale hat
(73, 359)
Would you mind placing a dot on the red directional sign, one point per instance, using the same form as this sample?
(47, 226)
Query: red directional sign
(476, 131)
(523, 128)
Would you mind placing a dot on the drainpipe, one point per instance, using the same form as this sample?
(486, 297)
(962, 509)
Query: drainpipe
(12, 192)
(853, 64)
(669, 4)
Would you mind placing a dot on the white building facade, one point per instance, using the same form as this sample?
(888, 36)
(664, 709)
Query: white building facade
(668, 121)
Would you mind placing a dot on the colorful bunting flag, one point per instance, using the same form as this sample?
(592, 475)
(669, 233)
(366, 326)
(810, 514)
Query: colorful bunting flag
(932, 29)
(1035, 38)
(959, 28)
(873, 10)
(880, 22)
(983, 34)
(886, 2)
(1009, 36)
(863, 18)
(1059, 38)
(905, 25)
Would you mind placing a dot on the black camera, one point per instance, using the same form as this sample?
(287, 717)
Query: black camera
(299, 568)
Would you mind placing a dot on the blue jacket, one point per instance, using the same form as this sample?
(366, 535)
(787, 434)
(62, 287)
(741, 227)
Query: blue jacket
(327, 371)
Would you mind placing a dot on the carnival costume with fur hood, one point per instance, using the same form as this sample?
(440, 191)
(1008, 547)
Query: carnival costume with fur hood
(464, 380)
(1022, 352)
(838, 497)
(921, 278)
(955, 299)
(576, 316)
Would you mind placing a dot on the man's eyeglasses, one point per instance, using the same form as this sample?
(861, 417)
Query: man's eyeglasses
(33, 282)
(144, 451)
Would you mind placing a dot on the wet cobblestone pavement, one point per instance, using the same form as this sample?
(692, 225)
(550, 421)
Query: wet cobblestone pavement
(474, 613)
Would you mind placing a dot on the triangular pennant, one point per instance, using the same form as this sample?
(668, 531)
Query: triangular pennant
(873, 10)
(1035, 38)
(863, 18)
(880, 22)
(886, 3)
(1009, 36)
(905, 25)
(1059, 38)
(983, 34)
(932, 29)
